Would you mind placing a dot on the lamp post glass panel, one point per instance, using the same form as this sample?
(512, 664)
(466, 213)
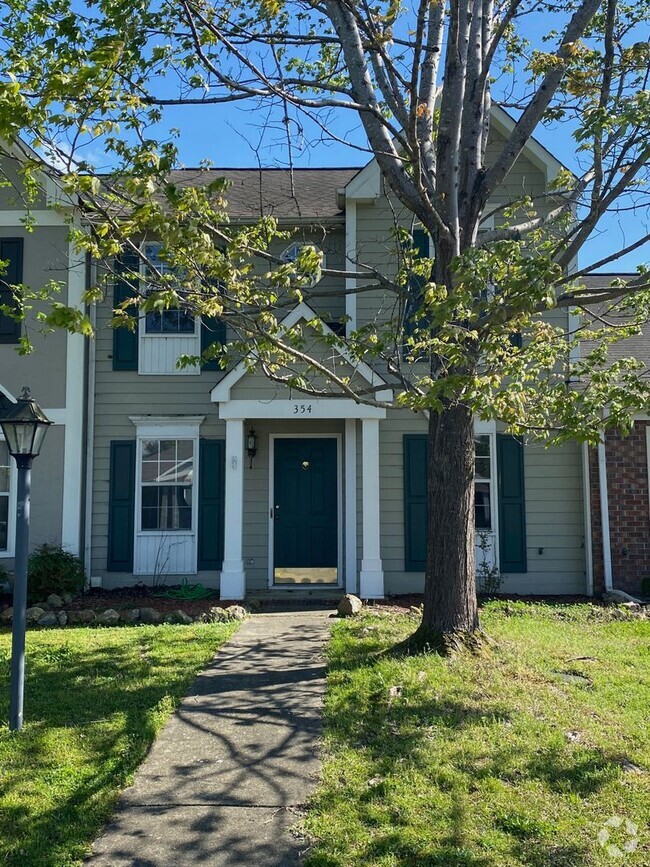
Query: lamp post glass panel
(24, 426)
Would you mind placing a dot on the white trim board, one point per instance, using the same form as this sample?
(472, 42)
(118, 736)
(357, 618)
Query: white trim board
(11, 514)
(300, 408)
(74, 448)
(17, 219)
(339, 506)
(187, 429)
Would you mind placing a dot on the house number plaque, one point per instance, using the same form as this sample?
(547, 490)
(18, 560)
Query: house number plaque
(301, 408)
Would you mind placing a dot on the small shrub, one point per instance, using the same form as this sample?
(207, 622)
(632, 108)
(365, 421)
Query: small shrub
(53, 570)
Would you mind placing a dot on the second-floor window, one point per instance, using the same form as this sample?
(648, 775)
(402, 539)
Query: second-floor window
(171, 321)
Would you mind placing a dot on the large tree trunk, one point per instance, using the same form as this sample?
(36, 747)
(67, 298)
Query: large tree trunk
(450, 609)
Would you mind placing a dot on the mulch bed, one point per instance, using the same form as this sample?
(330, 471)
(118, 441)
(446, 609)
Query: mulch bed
(142, 595)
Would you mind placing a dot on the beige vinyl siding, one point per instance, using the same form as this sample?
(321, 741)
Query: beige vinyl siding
(524, 179)
(11, 188)
(120, 394)
(554, 522)
(554, 515)
(44, 259)
(44, 371)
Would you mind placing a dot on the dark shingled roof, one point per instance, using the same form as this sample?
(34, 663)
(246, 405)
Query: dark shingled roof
(637, 347)
(280, 193)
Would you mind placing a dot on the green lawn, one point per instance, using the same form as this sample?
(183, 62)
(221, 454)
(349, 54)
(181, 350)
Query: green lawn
(94, 701)
(517, 756)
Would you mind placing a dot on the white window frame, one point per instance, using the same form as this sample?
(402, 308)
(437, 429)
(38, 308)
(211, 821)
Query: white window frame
(165, 428)
(10, 550)
(489, 428)
(299, 244)
(165, 346)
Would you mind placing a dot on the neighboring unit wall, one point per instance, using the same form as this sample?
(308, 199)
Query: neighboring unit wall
(629, 510)
(55, 508)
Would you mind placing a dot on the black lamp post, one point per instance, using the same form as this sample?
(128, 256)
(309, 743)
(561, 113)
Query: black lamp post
(24, 426)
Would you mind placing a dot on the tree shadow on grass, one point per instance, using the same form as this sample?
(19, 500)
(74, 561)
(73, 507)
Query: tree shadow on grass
(74, 692)
(393, 735)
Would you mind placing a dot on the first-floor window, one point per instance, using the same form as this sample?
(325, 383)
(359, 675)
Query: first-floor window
(5, 476)
(483, 483)
(167, 478)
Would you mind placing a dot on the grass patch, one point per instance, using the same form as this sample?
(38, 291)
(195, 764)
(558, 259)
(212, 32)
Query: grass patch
(94, 701)
(515, 756)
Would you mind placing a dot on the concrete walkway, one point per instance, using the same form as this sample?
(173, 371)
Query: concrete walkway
(226, 779)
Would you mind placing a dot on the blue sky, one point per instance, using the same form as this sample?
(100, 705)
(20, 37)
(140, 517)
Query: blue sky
(239, 135)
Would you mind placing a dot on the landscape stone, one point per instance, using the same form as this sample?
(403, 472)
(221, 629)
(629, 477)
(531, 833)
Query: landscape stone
(7, 615)
(181, 617)
(236, 612)
(48, 618)
(61, 618)
(68, 598)
(349, 605)
(32, 614)
(86, 615)
(130, 615)
(108, 618)
(54, 601)
(150, 615)
(218, 614)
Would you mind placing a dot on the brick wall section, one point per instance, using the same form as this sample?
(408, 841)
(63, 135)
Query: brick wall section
(629, 510)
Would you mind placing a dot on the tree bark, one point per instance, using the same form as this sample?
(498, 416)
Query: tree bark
(450, 608)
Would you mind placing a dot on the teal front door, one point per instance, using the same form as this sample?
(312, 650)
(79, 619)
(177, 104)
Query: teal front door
(305, 511)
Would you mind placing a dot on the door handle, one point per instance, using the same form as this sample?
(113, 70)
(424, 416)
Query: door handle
(275, 511)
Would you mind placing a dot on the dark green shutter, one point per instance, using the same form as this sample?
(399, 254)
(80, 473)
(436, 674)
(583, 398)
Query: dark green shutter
(415, 502)
(121, 506)
(416, 282)
(512, 507)
(211, 503)
(11, 251)
(125, 341)
(213, 330)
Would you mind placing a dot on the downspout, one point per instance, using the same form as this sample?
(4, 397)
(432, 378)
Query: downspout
(589, 553)
(90, 438)
(604, 514)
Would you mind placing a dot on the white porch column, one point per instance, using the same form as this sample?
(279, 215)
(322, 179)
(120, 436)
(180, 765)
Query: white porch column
(233, 577)
(350, 505)
(371, 579)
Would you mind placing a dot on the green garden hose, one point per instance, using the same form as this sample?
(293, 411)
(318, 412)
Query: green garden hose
(189, 592)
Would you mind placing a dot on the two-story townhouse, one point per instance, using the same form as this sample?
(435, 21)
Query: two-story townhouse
(56, 370)
(333, 497)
